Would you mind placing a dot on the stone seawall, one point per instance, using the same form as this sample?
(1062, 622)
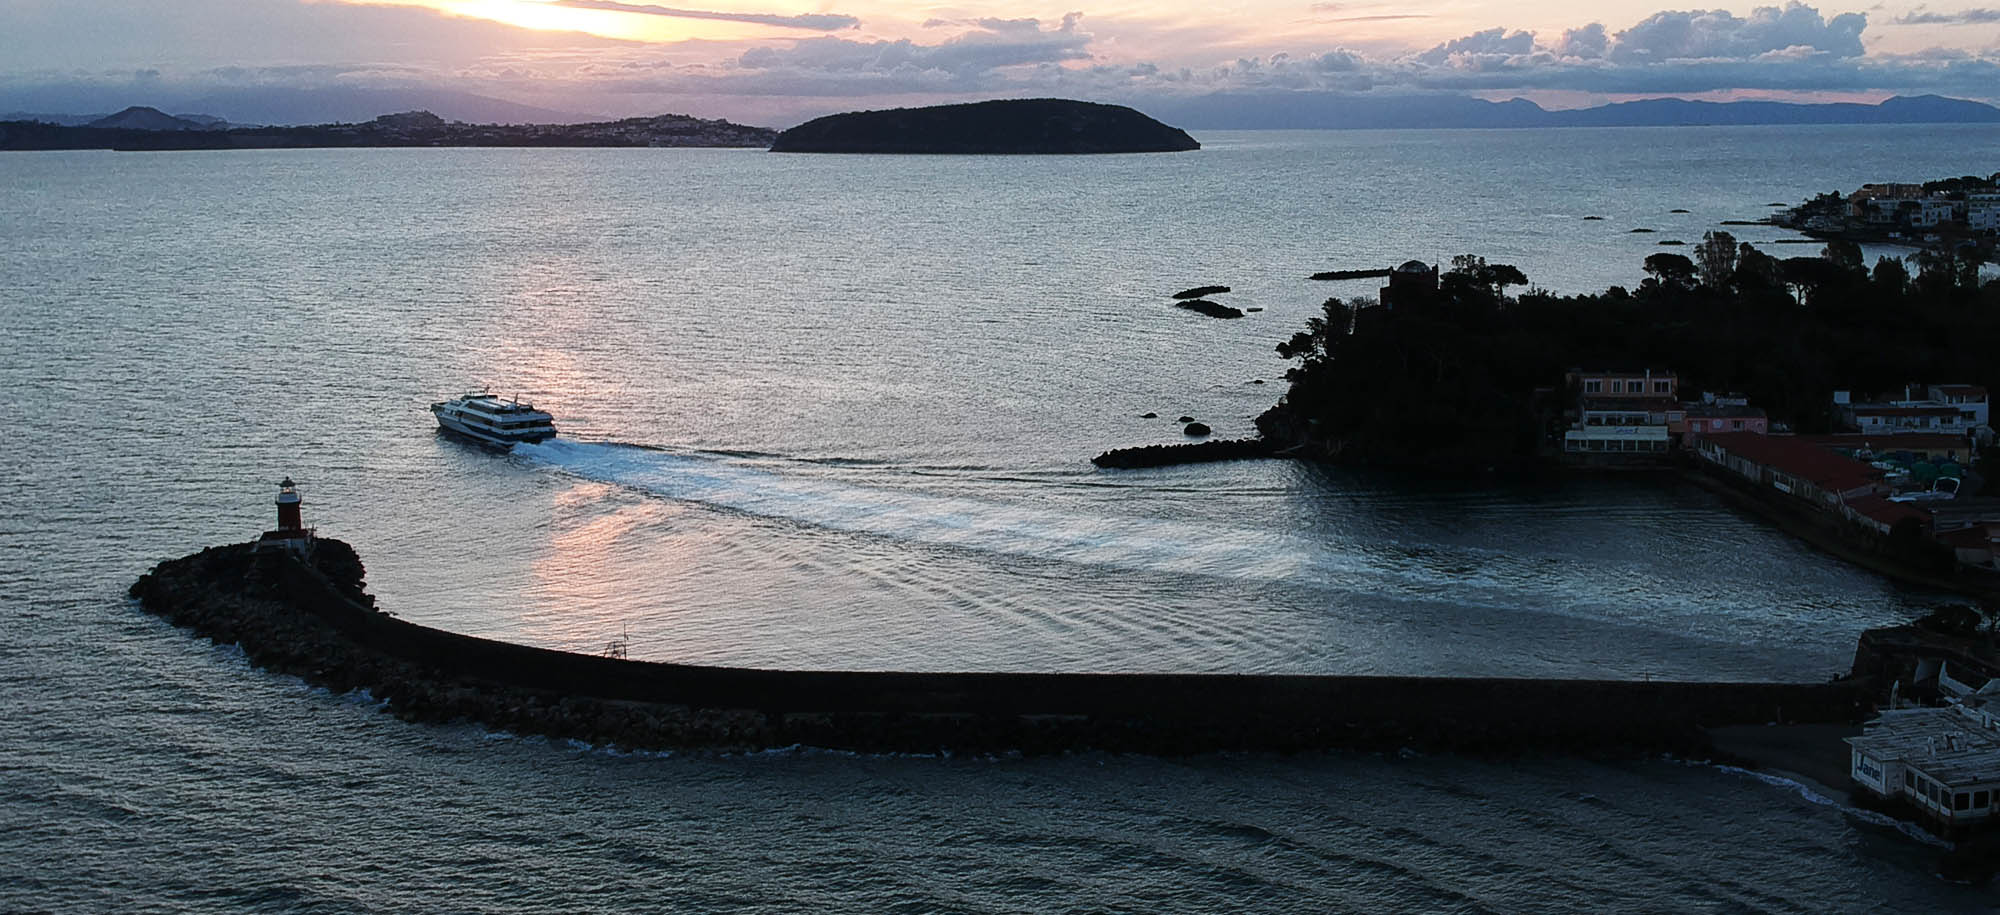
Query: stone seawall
(314, 620)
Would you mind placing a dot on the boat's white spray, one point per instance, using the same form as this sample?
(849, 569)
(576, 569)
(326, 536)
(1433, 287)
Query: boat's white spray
(994, 527)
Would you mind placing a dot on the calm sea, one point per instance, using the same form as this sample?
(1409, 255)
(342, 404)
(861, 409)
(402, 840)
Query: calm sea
(837, 412)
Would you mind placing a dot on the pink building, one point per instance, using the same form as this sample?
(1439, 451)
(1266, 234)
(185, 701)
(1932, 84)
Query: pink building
(1716, 418)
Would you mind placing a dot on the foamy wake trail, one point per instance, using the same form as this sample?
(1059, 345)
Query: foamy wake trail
(993, 527)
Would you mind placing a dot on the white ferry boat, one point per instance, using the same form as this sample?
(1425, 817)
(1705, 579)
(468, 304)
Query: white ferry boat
(487, 418)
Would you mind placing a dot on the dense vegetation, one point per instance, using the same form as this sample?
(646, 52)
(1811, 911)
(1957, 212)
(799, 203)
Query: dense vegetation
(1451, 378)
(1002, 126)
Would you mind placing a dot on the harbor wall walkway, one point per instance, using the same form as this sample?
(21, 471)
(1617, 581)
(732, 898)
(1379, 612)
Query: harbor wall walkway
(312, 618)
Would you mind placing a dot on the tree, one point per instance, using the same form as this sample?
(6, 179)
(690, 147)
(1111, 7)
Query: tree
(1844, 255)
(1808, 275)
(1471, 274)
(1756, 273)
(1716, 256)
(1891, 277)
(1317, 343)
(1941, 272)
(1674, 271)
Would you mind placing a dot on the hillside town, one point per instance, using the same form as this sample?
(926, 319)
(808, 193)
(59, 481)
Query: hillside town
(1951, 210)
(1903, 470)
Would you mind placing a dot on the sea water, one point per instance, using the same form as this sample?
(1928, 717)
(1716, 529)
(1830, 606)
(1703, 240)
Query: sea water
(837, 412)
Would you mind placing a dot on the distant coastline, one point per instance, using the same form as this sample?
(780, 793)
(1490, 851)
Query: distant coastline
(151, 130)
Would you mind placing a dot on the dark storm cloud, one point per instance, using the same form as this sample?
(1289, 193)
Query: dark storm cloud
(1921, 16)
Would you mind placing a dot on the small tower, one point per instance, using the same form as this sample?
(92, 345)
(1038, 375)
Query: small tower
(288, 506)
(292, 533)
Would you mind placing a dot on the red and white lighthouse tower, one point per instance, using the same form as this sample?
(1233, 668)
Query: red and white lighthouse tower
(292, 533)
(288, 506)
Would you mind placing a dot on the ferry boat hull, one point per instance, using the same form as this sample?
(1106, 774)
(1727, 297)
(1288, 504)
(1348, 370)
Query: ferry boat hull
(485, 419)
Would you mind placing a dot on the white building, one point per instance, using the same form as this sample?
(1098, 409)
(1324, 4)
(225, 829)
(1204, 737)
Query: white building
(1982, 211)
(1931, 212)
(1945, 762)
(1970, 399)
(1951, 409)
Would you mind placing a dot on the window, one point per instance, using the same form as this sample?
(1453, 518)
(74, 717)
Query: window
(1736, 424)
(1593, 386)
(1715, 424)
(1635, 387)
(1979, 799)
(1663, 387)
(1909, 779)
(1961, 801)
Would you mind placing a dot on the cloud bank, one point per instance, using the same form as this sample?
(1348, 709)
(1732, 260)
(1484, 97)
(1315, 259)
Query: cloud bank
(821, 22)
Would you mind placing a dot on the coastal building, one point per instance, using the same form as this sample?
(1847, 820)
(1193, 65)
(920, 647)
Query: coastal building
(1892, 418)
(1944, 762)
(1644, 384)
(1624, 413)
(1932, 212)
(1717, 416)
(1960, 409)
(1798, 469)
(1413, 281)
(1971, 399)
(1982, 211)
(1880, 514)
(1881, 203)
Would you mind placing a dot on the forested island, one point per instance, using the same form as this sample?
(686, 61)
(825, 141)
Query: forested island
(1044, 126)
(157, 131)
(1465, 375)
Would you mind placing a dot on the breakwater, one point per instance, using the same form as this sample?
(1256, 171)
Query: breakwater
(1236, 449)
(311, 617)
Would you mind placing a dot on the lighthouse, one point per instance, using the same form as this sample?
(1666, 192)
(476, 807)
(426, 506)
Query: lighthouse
(288, 506)
(292, 533)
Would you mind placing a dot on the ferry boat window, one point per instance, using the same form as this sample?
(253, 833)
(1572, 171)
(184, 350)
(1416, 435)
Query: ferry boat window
(1961, 801)
(1979, 799)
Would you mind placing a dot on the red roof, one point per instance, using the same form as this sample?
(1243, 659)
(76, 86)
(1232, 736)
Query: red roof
(1891, 441)
(1799, 458)
(1885, 511)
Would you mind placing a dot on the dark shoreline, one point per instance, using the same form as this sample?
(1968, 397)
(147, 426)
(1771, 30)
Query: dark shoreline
(313, 620)
(1815, 533)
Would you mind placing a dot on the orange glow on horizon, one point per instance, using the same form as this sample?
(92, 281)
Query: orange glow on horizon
(545, 16)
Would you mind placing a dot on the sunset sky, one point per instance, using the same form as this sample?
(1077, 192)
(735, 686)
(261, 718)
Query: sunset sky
(777, 61)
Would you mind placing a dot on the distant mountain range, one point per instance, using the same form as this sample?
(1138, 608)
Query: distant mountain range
(1221, 111)
(277, 106)
(1316, 110)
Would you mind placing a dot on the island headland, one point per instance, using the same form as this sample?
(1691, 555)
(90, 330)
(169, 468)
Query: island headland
(302, 609)
(147, 129)
(1043, 126)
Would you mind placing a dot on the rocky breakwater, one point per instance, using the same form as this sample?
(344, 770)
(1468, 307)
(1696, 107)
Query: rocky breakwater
(312, 618)
(1042, 126)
